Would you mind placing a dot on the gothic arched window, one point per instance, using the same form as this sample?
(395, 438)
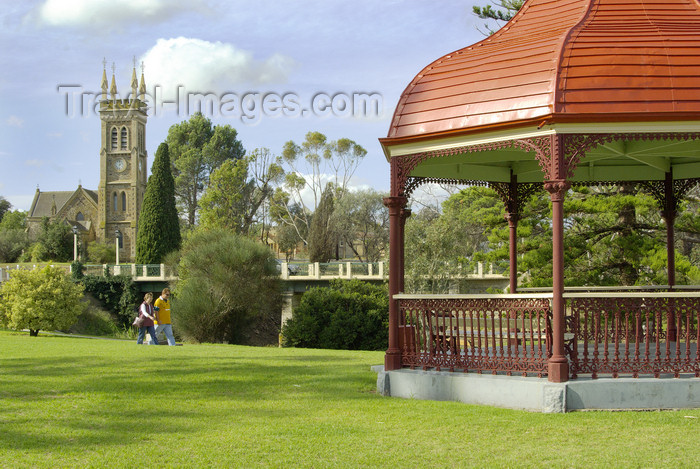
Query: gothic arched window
(80, 217)
(123, 201)
(114, 138)
(114, 199)
(124, 134)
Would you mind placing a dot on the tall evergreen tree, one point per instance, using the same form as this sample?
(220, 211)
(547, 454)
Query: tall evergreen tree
(322, 235)
(159, 228)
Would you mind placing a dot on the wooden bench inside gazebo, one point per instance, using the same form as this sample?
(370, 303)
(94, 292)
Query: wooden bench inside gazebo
(569, 92)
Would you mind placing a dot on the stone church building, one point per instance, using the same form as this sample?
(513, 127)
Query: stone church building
(111, 211)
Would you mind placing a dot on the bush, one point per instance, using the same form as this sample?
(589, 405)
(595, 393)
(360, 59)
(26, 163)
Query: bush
(12, 243)
(225, 282)
(102, 253)
(349, 315)
(40, 300)
(94, 321)
(117, 294)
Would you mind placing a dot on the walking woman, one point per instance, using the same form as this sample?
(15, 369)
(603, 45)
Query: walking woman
(146, 312)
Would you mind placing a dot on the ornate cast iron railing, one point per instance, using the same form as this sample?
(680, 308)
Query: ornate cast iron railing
(476, 333)
(634, 333)
(607, 333)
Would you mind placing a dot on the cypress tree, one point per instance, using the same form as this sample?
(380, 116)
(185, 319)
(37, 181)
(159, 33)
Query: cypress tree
(159, 226)
(322, 236)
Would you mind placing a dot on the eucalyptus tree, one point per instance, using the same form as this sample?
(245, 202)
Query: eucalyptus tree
(197, 148)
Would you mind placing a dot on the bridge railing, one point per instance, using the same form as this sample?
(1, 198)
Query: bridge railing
(333, 270)
(139, 272)
(6, 270)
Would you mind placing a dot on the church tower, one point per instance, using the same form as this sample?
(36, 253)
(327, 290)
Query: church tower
(123, 161)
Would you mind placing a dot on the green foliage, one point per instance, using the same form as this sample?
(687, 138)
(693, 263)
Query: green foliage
(77, 270)
(13, 242)
(102, 252)
(237, 191)
(94, 321)
(116, 293)
(309, 166)
(40, 300)
(225, 282)
(196, 150)
(613, 235)
(54, 242)
(5, 207)
(350, 315)
(14, 220)
(441, 247)
(323, 236)
(159, 227)
(505, 10)
(362, 222)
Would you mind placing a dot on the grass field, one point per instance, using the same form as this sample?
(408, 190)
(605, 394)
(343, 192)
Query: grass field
(68, 402)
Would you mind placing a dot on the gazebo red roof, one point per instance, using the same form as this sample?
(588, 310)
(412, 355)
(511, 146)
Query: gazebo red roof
(563, 61)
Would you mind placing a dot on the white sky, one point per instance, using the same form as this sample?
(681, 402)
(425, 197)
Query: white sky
(229, 48)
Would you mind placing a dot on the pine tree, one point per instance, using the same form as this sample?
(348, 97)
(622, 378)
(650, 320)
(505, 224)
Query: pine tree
(159, 228)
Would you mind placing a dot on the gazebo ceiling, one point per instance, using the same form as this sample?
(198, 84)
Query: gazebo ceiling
(563, 67)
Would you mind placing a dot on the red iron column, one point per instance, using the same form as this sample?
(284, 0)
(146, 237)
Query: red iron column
(669, 215)
(558, 365)
(392, 359)
(405, 213)
(513, 250)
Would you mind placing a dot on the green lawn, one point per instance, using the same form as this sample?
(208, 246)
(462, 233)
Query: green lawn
(109, 403)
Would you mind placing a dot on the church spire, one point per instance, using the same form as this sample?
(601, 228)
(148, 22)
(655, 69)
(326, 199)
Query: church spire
(142, 86)
(134, 81)
(104, 80)
(113, 87)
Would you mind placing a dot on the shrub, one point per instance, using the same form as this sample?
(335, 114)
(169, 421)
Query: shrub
(40, 300)
(225, 281)
(350, 315)
(94, 321)
(102, 253)
(117, 294)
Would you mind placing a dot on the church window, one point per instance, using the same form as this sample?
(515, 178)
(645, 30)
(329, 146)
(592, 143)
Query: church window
(124, 138)
(80, 217)
(114, 199)
(123, 201)
(114, 138)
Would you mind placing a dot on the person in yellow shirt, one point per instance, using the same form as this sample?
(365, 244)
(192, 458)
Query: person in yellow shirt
(162, 312)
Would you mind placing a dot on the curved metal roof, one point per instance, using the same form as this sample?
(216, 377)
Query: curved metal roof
(576, 61)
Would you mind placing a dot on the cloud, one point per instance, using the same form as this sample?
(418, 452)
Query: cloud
(203, 67)
(14, 121)
(108, 14)
(54, 134)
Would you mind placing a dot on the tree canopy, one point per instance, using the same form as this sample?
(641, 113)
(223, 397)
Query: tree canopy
(613, 235)
(310, 166)
(196, 149)
(238, 191)
(504, 11)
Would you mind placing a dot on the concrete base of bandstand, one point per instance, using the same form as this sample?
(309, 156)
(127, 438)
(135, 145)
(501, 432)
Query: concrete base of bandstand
(538, 394)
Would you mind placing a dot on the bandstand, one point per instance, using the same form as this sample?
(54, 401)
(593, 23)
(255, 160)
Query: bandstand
(569, 92)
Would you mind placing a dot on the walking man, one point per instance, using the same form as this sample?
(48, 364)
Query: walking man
(162, 312)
